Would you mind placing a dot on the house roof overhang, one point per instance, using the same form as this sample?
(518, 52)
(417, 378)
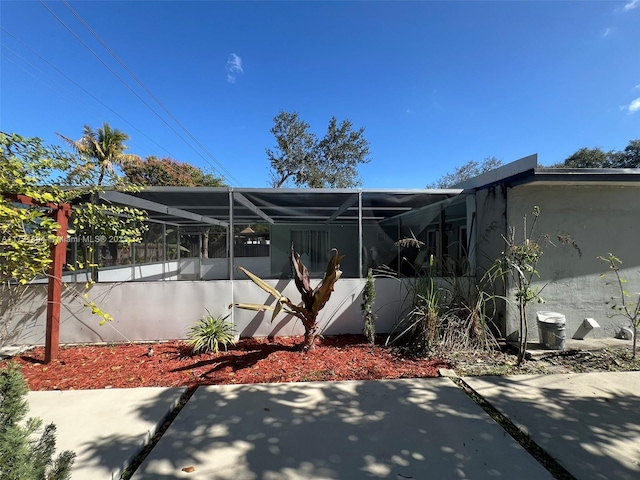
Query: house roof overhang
(526, 171)
(578, 176)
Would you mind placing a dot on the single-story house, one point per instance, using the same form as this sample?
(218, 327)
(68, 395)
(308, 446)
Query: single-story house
(584, 214)
(187, 263)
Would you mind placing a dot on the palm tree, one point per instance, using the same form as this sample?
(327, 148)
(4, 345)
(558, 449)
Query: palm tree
(105, 146)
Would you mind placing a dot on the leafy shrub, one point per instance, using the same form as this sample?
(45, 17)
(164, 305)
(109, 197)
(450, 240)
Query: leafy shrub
(418, 331)
(624, 303)
(517, 266)
(23, 457)
(442, 314)
(209, 333)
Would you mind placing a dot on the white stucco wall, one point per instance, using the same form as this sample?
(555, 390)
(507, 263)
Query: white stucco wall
(341, 314)
(600, 219)
(165, 310)
(141, 311)
(490, 225)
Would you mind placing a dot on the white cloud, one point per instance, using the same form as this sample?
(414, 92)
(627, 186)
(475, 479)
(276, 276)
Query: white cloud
(634, 106)
(607, 31)
(637, 87)
(627, 7)
(234, 67)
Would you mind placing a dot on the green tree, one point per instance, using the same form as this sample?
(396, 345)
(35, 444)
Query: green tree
(598, 158)
(629, 157)
(155, 171)
(293, 157)
(23, 457)
(339, 154)
(519, 264)
(103, 149)
(588, 158)
(100, 151)
(468, 170)
(301, 159)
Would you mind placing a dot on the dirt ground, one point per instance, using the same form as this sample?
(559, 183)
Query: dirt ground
(604, 356)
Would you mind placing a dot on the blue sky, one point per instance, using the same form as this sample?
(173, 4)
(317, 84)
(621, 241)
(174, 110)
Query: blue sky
(435, 84)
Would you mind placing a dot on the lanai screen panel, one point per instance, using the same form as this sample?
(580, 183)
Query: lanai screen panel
(262, 224)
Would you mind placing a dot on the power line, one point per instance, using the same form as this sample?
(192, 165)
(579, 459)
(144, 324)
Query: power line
(77, 85)
(123, 82)
(139, 82)
(65, 91)
(73, 97)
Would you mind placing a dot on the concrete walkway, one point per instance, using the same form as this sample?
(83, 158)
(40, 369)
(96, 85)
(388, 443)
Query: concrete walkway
(105, 428)
(394, 429)
(418, 429)
(589, 422)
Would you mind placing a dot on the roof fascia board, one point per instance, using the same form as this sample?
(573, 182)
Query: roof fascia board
(297, 191)
(586, 176)
(185, 189)
(492, 177)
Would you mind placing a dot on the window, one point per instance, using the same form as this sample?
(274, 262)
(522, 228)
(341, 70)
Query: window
(313, 247)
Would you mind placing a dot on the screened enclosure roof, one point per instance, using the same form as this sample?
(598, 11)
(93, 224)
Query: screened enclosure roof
(206, 206)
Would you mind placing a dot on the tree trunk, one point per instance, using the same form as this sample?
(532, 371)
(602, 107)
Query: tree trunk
(205, 243)
(310, 334)
(522, 347)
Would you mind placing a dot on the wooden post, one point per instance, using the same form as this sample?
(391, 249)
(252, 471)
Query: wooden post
(54, 295)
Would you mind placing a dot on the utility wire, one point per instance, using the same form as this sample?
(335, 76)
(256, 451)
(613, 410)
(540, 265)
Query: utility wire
(170, 167)
(70, 80)
(139, 82)
(65, 91)
(122, 81)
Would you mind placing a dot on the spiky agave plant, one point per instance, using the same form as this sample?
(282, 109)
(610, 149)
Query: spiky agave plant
(313, 299)
(210, 333)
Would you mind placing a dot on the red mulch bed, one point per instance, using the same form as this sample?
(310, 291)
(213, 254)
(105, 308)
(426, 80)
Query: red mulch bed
(344, 357)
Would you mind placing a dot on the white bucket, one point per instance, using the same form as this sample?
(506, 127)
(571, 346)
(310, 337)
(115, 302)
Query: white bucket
(551, 330)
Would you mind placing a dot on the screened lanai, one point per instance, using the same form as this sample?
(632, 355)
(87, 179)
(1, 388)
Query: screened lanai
(203, 233)
(186, 264)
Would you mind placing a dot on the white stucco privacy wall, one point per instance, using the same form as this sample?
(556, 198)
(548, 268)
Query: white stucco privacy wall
(141, 311)
(165, 310)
